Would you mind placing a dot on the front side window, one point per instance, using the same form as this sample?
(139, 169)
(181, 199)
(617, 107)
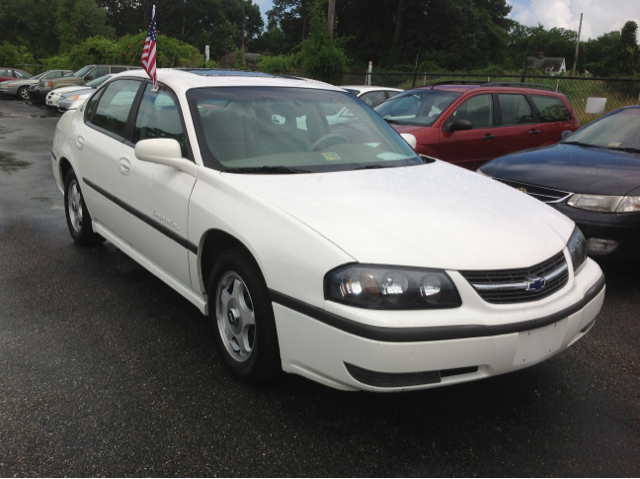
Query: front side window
(292, 130)
(515, 109)
(551, 109)
(83, 71)
(23, 75)
(158, 117)
(96, 73)
(619, 130)
(419, 107)
(478, 110)
(114, 106)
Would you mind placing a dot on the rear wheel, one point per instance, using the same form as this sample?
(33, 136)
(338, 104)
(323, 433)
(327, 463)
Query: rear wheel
(243, 317)
(78, 218)
(23, 94)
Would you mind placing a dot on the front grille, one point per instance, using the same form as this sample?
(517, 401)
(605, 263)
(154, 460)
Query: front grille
(520, 285)
(546, 195)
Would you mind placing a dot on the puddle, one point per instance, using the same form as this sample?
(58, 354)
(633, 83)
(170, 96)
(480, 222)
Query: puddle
(40, 116)
(8, 163)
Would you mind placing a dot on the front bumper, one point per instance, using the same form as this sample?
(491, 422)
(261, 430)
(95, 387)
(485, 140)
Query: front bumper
(385, 359)
(38, 94)
(624, 228)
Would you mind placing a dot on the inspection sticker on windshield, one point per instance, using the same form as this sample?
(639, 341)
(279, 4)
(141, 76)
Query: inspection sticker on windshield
(614, 143)
(331, 156)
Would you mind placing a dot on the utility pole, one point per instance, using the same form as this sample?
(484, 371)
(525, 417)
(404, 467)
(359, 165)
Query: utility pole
(575, 60)
(331, 16)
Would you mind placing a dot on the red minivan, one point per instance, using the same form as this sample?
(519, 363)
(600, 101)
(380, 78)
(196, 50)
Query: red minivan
(468, 125)
(13, 73)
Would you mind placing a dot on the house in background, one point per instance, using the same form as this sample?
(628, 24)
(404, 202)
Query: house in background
(550, 65)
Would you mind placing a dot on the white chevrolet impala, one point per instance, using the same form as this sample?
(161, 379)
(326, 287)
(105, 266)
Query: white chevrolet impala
(321, 248)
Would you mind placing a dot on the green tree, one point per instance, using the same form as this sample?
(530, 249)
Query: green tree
(322, 57)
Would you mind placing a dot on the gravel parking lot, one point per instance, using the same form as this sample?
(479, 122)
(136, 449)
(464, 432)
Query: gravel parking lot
(106, 371)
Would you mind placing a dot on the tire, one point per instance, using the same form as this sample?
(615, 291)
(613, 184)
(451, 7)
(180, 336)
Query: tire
(75, 210)
(23, 94)
(243, 319)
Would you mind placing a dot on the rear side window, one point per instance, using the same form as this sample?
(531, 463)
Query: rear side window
(117, 69)
(551, 108)
(373, 98)
(114, 106)
(515, 109)
(158, 117)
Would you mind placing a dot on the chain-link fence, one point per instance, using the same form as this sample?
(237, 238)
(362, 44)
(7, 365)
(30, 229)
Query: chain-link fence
(619, 92)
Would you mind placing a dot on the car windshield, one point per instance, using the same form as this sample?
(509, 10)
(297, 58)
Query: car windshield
(98, 81)
(38, 76)
(417, 107)
(83, 71)
(292, 130)
(620, 130)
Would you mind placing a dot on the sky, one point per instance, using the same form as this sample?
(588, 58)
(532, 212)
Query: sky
(600, 16)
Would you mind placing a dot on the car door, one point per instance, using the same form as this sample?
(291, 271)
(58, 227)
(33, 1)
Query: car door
(143, 204)
(554, 116)
(518, 129)
(470, 148)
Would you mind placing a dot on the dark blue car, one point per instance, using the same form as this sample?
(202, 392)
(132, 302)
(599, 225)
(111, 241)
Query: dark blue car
(592, 176)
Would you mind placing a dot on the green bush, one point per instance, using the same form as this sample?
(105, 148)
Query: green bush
(283, 64)
(14, 56)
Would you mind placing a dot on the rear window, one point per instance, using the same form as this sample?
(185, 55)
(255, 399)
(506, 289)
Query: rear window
(551, 108)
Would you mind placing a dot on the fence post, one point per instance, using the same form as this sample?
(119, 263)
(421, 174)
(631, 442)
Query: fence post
(368, 79)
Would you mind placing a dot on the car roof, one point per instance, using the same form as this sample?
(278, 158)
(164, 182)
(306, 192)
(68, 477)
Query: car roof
(491, 87)
(364, 89)
(181, 80)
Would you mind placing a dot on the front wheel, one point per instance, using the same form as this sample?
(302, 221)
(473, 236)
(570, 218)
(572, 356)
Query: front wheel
(23, 94)
(243, 317)
(78, 218)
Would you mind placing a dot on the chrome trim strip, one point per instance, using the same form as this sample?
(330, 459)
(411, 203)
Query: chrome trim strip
(522, 285)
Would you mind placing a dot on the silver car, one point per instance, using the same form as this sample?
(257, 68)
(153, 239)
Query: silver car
(19, 86)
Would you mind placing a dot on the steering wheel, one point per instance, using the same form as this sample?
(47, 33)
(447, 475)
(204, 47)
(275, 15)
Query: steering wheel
(331, 136)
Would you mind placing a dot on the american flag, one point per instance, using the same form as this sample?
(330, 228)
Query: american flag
(149, 50)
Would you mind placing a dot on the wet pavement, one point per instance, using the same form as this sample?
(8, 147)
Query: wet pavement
(106, 371)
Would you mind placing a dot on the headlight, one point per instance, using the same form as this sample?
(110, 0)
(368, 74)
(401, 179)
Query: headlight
(578, 248)
(70, 98)
(482, 173)
(606, 203)
(390, 287)
(48, 84)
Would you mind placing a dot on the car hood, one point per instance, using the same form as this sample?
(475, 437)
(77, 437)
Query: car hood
(571, 168)
(433, 215)
(66, 89)
(78, 91)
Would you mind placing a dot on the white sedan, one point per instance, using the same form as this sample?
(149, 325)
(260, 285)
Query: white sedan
(343, 258)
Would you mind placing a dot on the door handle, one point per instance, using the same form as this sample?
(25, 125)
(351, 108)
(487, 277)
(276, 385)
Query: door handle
(80, 143)
(488, 136)
(124, 166)
(534, 132)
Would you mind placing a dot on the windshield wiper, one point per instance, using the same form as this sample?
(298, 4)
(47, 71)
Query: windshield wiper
(266, 170)
(628, 149)
(588, 145)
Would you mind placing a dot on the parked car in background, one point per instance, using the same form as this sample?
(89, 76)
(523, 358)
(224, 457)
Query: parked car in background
(20, 86)
(371, 95)
(13, 73)
(53, 98)
(593, 177)
(78, 78)
(353, 263)
(470, 124)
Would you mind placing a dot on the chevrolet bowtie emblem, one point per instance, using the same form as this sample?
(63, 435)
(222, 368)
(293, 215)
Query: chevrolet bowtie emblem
(535, 284)
(524, 190)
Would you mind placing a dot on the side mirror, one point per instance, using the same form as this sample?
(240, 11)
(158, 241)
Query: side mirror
(460, 125)
(410, 139)
(165, 151)
(566, 134)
